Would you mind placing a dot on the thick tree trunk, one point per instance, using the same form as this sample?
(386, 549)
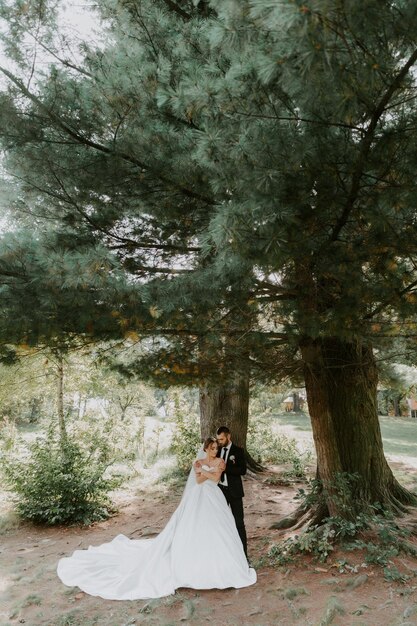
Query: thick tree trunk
(396, 402)
(227, 405)
(296, 402)
(341, 382)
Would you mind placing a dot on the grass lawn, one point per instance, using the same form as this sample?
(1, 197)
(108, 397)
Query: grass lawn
(399, 434)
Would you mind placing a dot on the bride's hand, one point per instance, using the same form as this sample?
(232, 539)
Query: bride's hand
(222, 465)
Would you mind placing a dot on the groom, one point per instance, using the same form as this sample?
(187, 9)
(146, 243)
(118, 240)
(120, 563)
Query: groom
(231, 479)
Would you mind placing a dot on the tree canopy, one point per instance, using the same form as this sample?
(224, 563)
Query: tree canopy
(261, 152)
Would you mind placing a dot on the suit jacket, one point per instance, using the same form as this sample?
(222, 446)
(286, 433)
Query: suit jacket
(235, 469)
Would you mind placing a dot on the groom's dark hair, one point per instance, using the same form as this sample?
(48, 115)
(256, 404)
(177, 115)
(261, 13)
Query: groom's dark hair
(223, 429)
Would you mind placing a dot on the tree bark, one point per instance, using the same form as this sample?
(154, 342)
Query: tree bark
(296, 401)
(227, 405)
(341, 383)
(396, 402)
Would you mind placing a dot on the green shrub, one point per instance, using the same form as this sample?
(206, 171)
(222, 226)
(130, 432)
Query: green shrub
(374, 531)
(186, 437)
(8, 435)
(60, 482)
(116, 439)
(266, 446)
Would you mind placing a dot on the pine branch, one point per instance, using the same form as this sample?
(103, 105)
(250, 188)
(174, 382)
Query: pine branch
(331, 25)
(173, 6)
(296, 118)
(139, 269)
(32, 69)
(83, 140)
(143, 25)
(131, 243)
(10, 274)
(127, 242)
(400, 102)
(383, 305)
(64, 62)
(366, 146)
(192, 332)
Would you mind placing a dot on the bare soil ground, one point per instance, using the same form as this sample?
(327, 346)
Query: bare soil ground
(306, 593)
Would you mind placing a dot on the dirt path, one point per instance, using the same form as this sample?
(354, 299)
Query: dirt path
(302, 595)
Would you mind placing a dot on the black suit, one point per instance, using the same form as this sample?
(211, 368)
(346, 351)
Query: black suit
(235, 469)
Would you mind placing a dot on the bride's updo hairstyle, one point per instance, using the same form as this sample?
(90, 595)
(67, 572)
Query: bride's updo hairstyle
(208, 442)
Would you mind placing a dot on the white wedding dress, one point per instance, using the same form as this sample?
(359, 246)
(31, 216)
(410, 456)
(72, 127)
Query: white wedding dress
(198, 548)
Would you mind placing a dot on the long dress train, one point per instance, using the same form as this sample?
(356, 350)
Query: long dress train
(199, 548)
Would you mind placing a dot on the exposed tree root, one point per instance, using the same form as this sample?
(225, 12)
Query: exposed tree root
(253, 465)
(311, 516)
(314, 515)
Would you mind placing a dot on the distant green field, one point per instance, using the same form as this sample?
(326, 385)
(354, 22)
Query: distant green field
(399, 434)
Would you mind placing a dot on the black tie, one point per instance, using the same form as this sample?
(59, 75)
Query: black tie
(224, 452)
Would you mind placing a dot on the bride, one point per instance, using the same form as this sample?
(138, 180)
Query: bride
(199, 548)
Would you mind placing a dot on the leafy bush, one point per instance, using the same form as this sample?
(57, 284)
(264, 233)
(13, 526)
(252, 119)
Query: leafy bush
(186, 437)
(117, 440)
(265, 399)
(8, 435)
(60, 482)
(317, 541)
(266, 446)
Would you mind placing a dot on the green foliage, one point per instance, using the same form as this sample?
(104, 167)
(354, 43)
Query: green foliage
(266, 446)
(374, 531)
(118, 441)
(320, 540)
(340, 491)
(265, 400)
(60, 482)
(174, 478)
(77, 618)
(31, 600)
(317, 541)
(390, 540)
(186, 436)
(8, 435)
(256, 122)
(27, 386)
(393, 574)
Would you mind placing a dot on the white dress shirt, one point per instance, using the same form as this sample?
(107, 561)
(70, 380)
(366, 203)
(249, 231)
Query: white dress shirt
(225, 457)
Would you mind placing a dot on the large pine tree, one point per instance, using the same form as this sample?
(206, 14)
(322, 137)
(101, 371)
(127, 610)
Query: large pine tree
(248, 152)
